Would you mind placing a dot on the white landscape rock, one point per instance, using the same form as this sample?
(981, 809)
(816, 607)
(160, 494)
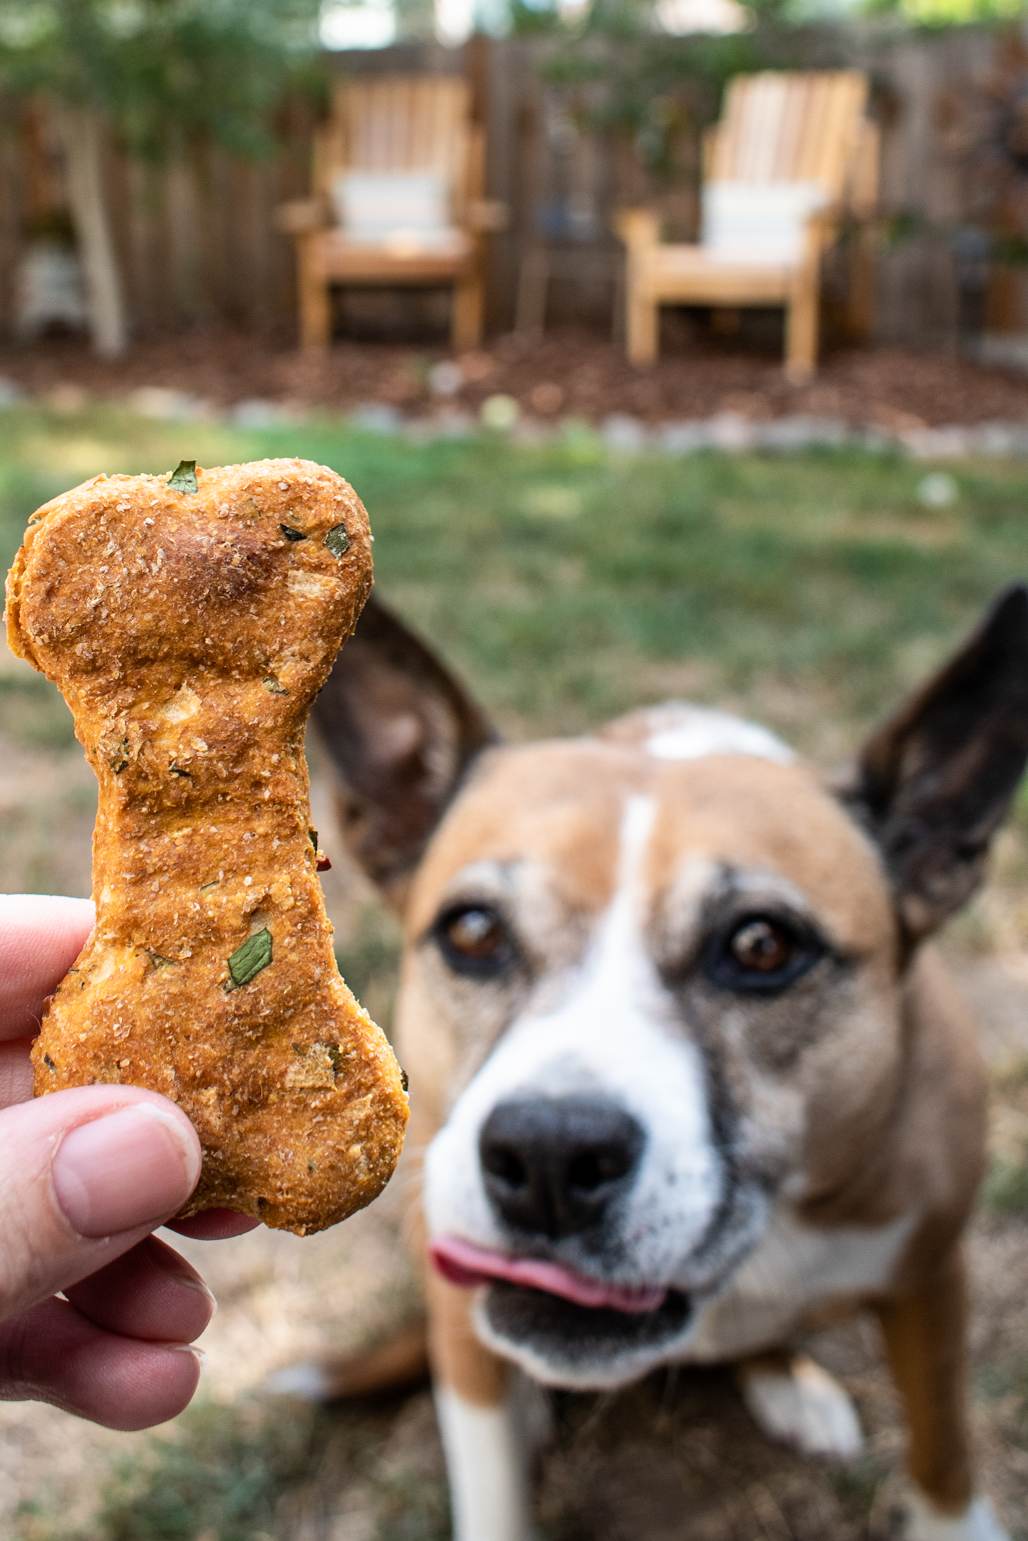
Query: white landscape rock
(620, 431)
(937, 490)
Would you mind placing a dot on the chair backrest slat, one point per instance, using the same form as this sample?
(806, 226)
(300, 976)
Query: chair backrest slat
(397, 123)
(764, 109)
(794, 108)
(790, 126)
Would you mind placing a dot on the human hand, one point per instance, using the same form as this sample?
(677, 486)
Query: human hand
(85, 1176)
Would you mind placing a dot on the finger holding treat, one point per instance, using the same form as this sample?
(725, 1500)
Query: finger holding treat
(189, 622)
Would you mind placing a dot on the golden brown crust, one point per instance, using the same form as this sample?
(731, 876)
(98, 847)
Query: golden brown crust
(189, 633)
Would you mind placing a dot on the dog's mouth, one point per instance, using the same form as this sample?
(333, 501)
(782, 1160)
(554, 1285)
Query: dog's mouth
(461, 1262)
(570, 1325)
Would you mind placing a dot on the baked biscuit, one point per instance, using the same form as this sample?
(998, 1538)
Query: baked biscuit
(189, 622)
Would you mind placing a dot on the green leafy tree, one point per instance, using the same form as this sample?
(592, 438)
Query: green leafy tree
(159, 75)
(947, 13)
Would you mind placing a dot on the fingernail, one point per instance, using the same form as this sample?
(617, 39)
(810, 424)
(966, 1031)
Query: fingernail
(128, 1168)
(187, 1348)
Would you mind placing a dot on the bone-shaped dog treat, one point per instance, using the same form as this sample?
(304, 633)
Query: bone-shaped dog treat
(189, 622)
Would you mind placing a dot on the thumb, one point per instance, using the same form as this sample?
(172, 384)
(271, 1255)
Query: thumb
(84, 1175)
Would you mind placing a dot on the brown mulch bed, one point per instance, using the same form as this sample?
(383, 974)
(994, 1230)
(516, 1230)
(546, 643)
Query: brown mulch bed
(564, 373)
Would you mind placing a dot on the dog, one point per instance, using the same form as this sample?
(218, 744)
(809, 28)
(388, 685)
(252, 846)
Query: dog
(688, 1075)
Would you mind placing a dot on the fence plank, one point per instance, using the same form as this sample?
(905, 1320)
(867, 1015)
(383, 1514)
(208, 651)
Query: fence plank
(198, 244)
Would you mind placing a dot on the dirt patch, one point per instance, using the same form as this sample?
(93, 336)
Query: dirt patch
(564, 373)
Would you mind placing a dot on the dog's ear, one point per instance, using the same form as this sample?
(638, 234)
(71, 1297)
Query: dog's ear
(402, 733)
(934, 783)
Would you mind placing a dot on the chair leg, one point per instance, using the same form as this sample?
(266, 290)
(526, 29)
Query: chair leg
(642, 331)
(468, 314)
(315, 304)
(801, 330)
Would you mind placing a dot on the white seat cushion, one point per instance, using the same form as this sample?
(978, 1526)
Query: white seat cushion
(380, 207)
(758, 221)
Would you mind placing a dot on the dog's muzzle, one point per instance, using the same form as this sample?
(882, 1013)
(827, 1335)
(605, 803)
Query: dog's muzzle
(558, 1174)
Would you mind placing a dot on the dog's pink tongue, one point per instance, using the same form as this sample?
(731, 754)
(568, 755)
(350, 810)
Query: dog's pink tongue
(461, 1262)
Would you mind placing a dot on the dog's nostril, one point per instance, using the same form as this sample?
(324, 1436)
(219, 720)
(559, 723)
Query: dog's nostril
(502, 1162)
(593, 1168)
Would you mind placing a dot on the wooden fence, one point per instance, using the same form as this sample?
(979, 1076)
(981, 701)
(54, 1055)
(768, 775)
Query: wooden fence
(198, 244)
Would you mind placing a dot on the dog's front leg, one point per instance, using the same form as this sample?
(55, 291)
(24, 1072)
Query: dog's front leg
(925, 1332)
(479, 1419)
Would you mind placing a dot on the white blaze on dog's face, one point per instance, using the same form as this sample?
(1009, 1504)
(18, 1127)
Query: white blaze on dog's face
(655, 972)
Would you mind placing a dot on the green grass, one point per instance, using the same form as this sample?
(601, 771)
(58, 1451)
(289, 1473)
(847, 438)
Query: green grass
(370, 957)
(228, 1473)
(32, 713)
(570, 583)
(1005, 1189)
(566, 584)
(220, 1474)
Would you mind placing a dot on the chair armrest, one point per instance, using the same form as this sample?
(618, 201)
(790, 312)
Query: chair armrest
(487, 215)
(637, 228)
(821, 229)
(301, 215)
(827, 218)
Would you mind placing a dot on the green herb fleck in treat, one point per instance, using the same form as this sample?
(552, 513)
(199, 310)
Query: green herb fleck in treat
(176, 769)
(183, 478)
(247, 961)
(274, 687)
(48, 1062)
(157, 959)
(312, 836)
(404, 1079)
(337, 540)
(120, 757)
(335, 1055)
(291, 532)
(212, 884)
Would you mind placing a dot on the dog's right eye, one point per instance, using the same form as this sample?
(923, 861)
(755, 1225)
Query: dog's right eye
(474, 940)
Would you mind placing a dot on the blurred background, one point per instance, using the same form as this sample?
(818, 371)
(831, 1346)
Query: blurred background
(677, 349)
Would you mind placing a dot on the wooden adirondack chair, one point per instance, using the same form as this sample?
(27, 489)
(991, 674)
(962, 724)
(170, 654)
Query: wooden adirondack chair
(792, 154)
(398, 182)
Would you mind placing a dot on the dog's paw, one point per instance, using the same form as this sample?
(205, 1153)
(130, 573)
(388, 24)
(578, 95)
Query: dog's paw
(802, 1405)
(923, 1522)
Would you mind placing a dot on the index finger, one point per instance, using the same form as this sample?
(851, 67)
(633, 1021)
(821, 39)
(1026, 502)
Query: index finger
(40, 938)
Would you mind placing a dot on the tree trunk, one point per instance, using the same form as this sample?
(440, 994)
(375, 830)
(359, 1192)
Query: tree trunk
(82, 138)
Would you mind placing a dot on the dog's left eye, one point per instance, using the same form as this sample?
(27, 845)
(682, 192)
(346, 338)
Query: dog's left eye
(761, 953)
(474, 940)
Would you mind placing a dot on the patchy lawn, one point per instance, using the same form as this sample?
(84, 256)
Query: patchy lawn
(567, 583)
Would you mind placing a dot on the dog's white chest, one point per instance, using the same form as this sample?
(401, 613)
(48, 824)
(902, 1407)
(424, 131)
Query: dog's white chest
(796, 1270)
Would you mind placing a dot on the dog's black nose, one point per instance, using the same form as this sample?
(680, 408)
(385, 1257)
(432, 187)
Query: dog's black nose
(553, 1165)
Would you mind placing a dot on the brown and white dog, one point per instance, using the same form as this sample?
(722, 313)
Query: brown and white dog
(687, 1077)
